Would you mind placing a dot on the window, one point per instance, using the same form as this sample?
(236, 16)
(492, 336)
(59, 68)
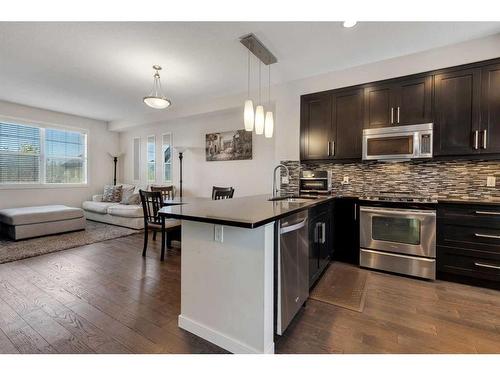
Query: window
(137, 159)
(166, 152)
(66, 157)
(151, 157)
(37, 155)
(19, 154)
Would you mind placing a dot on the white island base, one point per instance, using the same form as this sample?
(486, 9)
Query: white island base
(227, 287)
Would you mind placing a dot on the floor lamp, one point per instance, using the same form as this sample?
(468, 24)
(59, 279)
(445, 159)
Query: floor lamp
(115, 161)
(181, 151)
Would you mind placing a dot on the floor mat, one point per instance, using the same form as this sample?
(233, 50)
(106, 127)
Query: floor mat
(342, 285)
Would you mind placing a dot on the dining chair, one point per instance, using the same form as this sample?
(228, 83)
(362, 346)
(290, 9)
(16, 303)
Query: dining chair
(222, 192)
(152, 201)
(167, 192)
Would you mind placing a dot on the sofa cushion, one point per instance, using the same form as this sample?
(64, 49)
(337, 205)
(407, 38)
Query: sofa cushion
(112, 193)
(39, 214)
(126, 210)
(98, 207)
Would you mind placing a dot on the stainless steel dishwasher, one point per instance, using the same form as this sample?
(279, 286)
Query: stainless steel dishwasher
(293, 267)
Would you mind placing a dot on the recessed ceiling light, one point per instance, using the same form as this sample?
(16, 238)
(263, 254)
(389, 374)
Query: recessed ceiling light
(349, 23)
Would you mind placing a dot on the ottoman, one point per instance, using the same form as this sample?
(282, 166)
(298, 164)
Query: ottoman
(27, 222)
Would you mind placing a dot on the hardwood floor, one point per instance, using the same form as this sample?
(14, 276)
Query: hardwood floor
(106, 298)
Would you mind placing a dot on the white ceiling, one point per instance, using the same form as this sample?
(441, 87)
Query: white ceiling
(102, 70)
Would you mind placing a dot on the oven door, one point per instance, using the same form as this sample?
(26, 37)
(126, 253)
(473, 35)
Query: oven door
(403, 231)
(391, 146)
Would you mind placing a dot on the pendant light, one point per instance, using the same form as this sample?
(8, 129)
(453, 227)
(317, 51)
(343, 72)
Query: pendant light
(248, 114)
(269, 121)
(156, 99)
(259, 111)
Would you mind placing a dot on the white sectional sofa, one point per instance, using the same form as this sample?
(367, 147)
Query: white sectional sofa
(125, 215)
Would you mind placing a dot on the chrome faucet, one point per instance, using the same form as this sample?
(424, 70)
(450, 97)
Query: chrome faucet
(275, 189)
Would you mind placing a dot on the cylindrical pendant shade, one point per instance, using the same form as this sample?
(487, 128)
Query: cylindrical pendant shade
(248, 115)
(259, 120)
(269, 125)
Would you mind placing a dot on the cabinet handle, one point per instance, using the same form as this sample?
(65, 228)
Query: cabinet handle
(487, 235)
(398, 115)
(392, 115)
(487, 213)
(323, 233)
(333, 148)
(486, 265)
(476, 139)
(329, 152)
(484, 139)
(355, 212)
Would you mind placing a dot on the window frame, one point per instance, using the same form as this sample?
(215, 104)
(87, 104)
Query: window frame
(147, 157)
(171, 158)
(42, 159)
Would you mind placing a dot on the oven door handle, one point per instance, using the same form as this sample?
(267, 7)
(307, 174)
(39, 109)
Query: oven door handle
(377, 210)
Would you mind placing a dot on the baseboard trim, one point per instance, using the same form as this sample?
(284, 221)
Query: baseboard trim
(219, 339)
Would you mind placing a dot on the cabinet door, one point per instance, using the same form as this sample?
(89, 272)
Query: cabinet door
(456, 106)
(347, 113)
(413, 101)
(379, 106)
(316, 127)
(490, 109)
(346, 230)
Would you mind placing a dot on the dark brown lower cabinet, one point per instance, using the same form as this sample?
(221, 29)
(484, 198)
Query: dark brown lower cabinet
(468, 244)
(320, 240)
(346, 230)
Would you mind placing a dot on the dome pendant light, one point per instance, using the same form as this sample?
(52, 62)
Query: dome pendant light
(259, 111)
(156, 99)
(269, 121)
(248, 114)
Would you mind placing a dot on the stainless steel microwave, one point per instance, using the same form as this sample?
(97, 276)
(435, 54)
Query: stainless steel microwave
(398, 142)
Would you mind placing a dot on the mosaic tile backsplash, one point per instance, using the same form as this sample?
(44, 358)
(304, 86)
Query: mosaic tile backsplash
(438, 179)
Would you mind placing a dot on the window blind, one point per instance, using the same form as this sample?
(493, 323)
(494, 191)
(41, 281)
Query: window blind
(19, 154)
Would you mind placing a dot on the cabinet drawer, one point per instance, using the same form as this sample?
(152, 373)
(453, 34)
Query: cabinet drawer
(474, 264)
(470, 215)
(471, 237)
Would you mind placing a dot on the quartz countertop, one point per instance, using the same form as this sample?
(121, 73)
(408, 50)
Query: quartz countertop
(245, 212)
(476, 201)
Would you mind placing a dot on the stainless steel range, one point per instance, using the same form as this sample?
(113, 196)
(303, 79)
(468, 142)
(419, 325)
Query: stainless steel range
(398, 233)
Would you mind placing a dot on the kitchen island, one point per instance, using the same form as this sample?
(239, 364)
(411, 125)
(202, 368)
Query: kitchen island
(227, 268)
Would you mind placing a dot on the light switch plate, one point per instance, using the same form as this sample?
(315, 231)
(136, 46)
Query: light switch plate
(491, 181)
(218, 233)
(284, 180)
(345, 180)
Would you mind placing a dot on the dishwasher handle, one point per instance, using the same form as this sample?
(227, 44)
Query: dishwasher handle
(293, 227)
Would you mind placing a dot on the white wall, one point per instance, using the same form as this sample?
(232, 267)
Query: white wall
(246, 176)
(256, 177)
(100, 165)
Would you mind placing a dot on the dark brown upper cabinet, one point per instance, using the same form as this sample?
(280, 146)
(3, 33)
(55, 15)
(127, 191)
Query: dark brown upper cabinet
(405, 101)
(490, 109)
(379, 106)
(316, 130)
(457, 112)
(347, 118)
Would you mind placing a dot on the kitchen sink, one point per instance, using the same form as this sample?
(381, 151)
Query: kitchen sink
(293, 199)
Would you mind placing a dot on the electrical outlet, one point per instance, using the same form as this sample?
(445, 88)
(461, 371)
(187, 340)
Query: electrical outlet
(285, 180)
(491, 181)
(218, 233)
(345, 180)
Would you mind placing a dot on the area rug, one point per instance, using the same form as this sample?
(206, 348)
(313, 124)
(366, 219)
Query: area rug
(94, 232)
(342, 285)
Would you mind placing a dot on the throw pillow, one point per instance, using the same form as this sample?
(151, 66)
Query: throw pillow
(112, 193)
